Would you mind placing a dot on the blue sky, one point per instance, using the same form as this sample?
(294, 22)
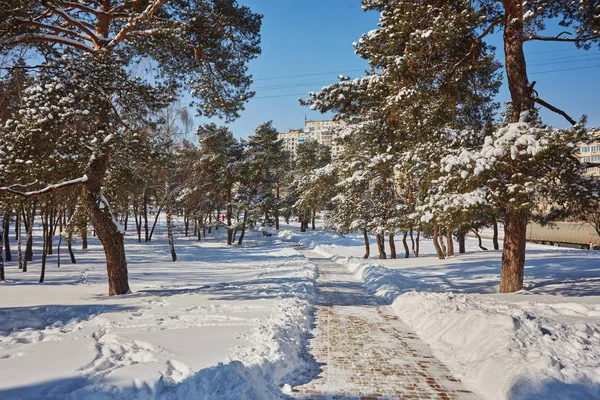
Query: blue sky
(314, 38)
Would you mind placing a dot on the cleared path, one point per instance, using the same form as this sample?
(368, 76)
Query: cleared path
(366, 351)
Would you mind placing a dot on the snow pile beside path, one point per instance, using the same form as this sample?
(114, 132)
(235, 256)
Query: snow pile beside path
(514, 350)
(273, 356)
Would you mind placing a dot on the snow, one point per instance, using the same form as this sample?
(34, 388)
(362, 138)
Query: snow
(221, 323)
(233, 323)
(540, 343)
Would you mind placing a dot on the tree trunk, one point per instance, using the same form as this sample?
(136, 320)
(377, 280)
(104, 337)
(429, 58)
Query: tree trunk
(138, 222)
(145, 211)
(367, 245)
(277, 203)
(495, 237)
(47, 233)
(170, 236)
(70, 247)
(229, 226)
(412, 240)
(60, 231)
(199, 231)
(6, 223)
(314, 217)
(108, 232)
(515, 223)
(513, 250)
(381, 246)
(392, 246)
(450, 242)
(20, 262)
(243, 227)
(479, 239)
(154, 224)
(84, 235)
(461, 241)
(126, 218)
(417, 244)
(2, 277)
(405, 243)
(436, 243)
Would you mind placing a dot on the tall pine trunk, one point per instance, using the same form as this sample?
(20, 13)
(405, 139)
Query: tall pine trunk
(515, 235)
(108, 232)
(6, 224)
(405, 243)
(495, 237)
(367, 245)
(513, 252)
(381, 246)
(450, 242)
(170, 235)
(243, 227)
(461, 241)
(436, 234)
(392, 246)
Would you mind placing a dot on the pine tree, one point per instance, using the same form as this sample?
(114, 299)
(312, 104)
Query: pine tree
(202, 45)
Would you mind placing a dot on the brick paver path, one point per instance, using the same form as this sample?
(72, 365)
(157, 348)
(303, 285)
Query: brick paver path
(366, 351)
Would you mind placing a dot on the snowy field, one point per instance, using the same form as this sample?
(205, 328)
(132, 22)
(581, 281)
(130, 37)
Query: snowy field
(232, 323)
(221, 323)
(540, 343)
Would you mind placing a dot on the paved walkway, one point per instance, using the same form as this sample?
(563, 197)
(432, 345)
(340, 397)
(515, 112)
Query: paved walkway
(366, 351)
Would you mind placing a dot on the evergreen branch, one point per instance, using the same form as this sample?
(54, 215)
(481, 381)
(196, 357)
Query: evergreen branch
(476, 42)
(557, 38)
(48, 189)
(54, 39)
(57, 10)
(56, 29)
(554, 109)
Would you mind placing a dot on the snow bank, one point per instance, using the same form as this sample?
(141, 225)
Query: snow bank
(514, 350)
(272, 360)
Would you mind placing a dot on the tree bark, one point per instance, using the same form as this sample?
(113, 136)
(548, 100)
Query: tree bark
(314, 217)
(392, 246)
(6, 223)
(229, 225)
(381, 246)
(108, 232)
(436, 243)
(479, 240)
(515, 235)
(412, 240)
(2, 277)
(461, 241)
(170, 236)
(405, 243)
(243, 228)
(367, 245)
(417, 244)
(495, 237)
(47, 233)
(154, 224)
(22, 265)
(450, 242)
(145, 211)
(513, 251)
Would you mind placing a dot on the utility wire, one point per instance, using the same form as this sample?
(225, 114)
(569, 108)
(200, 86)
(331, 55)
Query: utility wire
(530, 73)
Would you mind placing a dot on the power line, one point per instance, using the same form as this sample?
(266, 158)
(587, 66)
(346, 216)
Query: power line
(530, 73)
(562, 70)
(291, 85)
(563, 62)
(312, 74)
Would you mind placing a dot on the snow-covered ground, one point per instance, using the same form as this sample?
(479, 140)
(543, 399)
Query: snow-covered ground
(221, 323)
(540, 343)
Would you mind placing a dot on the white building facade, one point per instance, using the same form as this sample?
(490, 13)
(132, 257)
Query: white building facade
(323, 131)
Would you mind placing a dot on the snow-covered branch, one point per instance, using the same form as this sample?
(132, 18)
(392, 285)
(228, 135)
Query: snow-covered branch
(48, 189)
(41, 37)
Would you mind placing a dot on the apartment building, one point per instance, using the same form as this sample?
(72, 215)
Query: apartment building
(323, 131)
(591, 153)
